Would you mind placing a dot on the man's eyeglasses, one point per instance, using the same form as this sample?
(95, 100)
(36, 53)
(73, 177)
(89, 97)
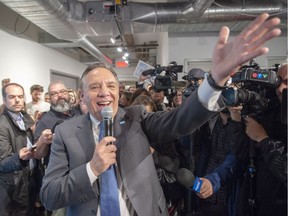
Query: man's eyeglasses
(56, 94)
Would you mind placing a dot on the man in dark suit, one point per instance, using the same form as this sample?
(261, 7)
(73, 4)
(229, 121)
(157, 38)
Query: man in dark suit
(16, 138)
(17, 155)
(76, 166)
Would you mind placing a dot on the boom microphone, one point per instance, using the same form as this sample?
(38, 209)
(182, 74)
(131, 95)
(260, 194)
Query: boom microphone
(107, 115)
(186, 178)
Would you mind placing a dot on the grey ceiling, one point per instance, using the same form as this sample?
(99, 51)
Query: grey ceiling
(82, 29)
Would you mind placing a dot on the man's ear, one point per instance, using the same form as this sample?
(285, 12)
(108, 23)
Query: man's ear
(81, 95)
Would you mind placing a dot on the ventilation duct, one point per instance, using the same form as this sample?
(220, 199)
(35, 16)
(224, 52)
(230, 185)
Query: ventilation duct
(54, 17)
(201, 11)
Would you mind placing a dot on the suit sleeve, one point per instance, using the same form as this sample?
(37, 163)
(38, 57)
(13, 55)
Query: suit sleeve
(183, 120)
(227, 172)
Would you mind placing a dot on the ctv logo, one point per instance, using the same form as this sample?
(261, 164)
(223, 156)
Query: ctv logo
(259, 75)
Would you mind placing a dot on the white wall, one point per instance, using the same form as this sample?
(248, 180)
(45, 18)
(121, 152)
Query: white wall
(29, 63)
(201, 47)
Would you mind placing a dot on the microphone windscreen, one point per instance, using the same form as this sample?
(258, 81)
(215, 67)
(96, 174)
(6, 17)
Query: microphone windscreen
(107, 112)
(185, 177)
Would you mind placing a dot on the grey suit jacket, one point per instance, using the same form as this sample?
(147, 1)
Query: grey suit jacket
(66, 182)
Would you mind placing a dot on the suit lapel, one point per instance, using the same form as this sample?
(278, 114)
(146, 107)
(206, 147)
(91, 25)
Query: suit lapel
(85, 136)
(121, 124)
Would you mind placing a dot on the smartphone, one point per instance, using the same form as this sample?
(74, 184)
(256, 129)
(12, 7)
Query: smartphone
(33, 147)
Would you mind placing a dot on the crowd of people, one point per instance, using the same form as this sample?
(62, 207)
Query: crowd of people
(55, 156)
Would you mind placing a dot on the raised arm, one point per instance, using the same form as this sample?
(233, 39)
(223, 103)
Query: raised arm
(229, 55)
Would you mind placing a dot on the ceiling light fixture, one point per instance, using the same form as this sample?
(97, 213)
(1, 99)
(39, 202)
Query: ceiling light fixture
(119, 49)
(126, 54)
(114, 39)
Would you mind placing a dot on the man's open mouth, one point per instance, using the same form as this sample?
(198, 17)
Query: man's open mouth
(104, 103)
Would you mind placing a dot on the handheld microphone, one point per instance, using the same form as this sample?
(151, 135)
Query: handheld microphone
(55, 125)
(107, 115)
(186, 178)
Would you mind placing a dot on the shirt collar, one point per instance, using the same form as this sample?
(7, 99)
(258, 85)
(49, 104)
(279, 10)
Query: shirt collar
(94, 121)
(15, 115)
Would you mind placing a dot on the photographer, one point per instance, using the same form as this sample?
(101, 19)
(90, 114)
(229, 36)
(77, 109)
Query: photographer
(264, 188)
(194, 79)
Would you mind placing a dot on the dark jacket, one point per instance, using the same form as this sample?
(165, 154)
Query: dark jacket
(14, 172)
(270, 167)
(50, 120)
(225, 173)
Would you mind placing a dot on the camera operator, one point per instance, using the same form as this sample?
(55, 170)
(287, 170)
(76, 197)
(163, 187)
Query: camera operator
(158, 98)
(194, 79)
(264, 188)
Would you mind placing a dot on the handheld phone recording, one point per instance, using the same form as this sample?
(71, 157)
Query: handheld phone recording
(33, 148)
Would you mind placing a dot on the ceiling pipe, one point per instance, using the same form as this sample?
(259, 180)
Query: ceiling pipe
(54, 16)
(196, 9)
(183, 12)
(61, 11)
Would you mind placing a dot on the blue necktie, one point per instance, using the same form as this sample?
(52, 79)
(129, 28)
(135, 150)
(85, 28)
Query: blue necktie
(109, 200)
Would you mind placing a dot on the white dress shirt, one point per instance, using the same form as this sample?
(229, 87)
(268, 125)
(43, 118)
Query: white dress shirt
(126, 207)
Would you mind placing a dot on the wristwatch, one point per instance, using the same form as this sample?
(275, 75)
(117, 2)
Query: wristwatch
(213, 84)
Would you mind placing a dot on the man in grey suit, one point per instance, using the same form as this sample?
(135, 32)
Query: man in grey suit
(77, 163)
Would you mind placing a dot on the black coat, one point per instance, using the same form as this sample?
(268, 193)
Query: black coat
(270, 161)
(14, 172)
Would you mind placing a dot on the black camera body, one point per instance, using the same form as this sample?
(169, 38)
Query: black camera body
(255, 90)
(191, 88)
(265, 77)
(163, 82)
(164, 76)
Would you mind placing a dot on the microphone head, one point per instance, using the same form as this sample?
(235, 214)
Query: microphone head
(107, 112)
(185, 177)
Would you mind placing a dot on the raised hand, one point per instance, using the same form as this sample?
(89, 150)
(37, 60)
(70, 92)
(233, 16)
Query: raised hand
(228, 56)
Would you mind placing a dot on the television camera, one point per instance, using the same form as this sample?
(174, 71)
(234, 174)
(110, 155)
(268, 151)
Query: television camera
(254, 89)
(164, 78)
